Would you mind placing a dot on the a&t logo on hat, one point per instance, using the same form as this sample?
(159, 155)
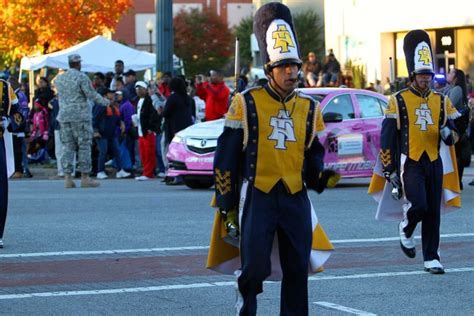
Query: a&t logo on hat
(273, 28)
(282, 38)
(423, 57)
(417, 49)
(281, 43)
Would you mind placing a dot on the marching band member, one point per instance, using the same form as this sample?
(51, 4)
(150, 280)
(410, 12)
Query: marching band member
(417, 157)
(266, 158)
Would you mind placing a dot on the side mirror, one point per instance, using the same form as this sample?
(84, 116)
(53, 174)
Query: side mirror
(332, 117)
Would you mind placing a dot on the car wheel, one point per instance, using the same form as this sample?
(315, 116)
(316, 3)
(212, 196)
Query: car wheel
(198, 183)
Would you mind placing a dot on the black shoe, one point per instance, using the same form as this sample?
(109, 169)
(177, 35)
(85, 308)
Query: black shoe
(409, 252)
(175, 181)
(27, 174)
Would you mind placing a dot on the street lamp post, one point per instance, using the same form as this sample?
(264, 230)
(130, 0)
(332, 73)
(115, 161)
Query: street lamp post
(164, 35)
(149, 27)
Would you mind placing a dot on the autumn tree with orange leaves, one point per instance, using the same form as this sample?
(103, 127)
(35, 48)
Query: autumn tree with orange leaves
(30, 27)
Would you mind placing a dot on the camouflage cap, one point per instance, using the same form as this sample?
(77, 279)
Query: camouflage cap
(74, 58)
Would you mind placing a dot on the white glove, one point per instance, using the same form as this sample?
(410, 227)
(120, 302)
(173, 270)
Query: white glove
(5, 122)
(445, 133)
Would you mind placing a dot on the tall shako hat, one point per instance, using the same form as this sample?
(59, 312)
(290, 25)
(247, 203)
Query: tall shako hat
(274, 31)
(418, 56)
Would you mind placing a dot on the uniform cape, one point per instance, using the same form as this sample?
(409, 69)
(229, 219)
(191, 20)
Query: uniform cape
(8, 141)
(390, 209)
(224, 257)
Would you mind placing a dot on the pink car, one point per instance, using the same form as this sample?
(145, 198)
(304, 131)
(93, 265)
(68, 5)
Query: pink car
(353, 121)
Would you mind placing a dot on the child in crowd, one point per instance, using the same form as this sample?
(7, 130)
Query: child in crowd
(39, 132)
(105, 122)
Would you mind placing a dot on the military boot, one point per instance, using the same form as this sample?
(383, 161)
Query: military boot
(68, 183)
(87, 182)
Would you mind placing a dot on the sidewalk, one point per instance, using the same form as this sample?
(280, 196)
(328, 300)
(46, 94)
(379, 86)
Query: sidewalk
(48, 170)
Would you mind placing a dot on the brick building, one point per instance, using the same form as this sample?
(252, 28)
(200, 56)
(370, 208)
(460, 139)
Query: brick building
(132, 28)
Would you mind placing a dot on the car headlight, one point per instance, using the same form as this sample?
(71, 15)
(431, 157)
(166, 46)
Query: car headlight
(177, 139)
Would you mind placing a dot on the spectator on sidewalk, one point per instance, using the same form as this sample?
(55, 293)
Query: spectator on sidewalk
(120, 86)
(105, 122)
(311, 69)
(216, 95)
(98, 81)
(439, 83)
(158, 103)
(459, 97)
(179, 113)
(378, 86)
(39, 133)
(44, 93)
(331, 71)
(119, 68)
(148, 124)
(127, 110)
(164, 87)
(130, 80)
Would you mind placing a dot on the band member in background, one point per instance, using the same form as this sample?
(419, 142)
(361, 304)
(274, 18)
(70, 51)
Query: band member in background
(10, 120)
(415, 158)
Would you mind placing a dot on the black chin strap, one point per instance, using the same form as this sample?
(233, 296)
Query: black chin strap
(273, 82)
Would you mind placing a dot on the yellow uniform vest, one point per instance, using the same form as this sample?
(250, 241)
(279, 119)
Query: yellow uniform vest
(418, 119)
(282, 136)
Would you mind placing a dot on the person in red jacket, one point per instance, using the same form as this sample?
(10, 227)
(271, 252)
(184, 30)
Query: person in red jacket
(216, 94)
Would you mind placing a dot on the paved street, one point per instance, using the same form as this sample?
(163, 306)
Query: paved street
(139, 248)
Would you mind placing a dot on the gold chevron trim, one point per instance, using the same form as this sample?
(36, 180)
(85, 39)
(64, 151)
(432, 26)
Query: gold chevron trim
(223, 181)
(385, 157)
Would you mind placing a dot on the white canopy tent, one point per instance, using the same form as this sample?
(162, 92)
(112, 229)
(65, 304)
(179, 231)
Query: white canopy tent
(98, 54)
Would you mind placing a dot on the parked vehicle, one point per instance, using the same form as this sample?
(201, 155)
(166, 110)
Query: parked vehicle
(353, 120)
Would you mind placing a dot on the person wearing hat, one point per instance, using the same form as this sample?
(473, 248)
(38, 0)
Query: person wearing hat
(270, 133)
(10, 120)
(130, 81)
(148, 124)
(75, 116)
(439, 83)
(416, 157)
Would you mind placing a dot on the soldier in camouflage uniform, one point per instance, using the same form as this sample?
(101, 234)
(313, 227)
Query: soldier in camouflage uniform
(75, 116)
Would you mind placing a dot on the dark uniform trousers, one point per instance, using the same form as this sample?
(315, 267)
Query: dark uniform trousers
(290, 217)
(18, 153)
(3, 187)
(423, 181)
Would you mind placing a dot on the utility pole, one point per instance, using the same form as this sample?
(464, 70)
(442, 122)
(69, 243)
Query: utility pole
(164, 35)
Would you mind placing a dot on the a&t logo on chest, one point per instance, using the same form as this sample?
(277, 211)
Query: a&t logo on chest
(423, 117)
(283, 129)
